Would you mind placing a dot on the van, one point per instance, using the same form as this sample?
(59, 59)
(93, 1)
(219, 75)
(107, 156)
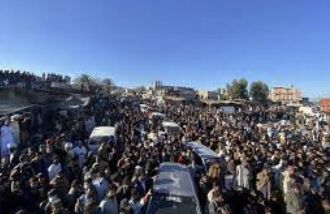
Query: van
(210, 162)
(173, 191)
(102, 134)
(205, 157)
(156, 115)
(171, 128)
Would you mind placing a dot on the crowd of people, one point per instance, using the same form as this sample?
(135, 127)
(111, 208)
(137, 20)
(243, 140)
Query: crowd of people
(11, 77)
(47, 167)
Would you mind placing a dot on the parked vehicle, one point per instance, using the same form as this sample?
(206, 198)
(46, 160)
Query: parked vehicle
(102, 134)
(174, 191)
(206, 158)
(156, 115)
(171, 127)
(204, 155)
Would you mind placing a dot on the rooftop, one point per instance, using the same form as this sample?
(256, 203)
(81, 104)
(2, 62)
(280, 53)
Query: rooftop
(325, 101)
(325, 105)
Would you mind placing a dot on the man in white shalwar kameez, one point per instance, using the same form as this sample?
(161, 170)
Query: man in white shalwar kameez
(80, 151)
(14, 124)
(7, 139)
(243, 176)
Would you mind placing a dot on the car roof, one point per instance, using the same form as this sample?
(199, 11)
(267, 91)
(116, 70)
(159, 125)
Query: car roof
(142, 105)
(103, 131)
(174, 179)
(201, 150)
(158, 114)
(169, 124)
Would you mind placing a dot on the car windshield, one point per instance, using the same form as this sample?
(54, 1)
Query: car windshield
(97, 140)
(170, 204)
(173, 129)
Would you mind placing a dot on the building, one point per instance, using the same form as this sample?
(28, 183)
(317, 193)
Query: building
(208, 95)
(176, 91)
(305, 101)
(325, 109)
(285, 95)
(325, 105)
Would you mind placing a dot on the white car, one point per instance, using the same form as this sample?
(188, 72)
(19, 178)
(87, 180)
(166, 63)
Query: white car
(171, 127)
(102, 134)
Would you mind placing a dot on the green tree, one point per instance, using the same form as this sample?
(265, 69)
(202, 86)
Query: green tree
(222, 93)
(107, 85)
(108, 82)
(259, 91)
(238, 89)
(84, 79)
(85, 82)
(140, 89)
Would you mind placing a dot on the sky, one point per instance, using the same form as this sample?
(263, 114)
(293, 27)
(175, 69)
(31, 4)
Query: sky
(200, 43)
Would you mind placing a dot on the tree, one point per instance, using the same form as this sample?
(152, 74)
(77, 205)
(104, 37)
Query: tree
(107, 85)
(222, 93)
(84, 80)
(107, 81)
(238, 89)
(140, 89)
(259, 91)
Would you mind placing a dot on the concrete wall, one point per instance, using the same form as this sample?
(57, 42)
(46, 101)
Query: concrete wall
(13, 96)
(18, 95)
